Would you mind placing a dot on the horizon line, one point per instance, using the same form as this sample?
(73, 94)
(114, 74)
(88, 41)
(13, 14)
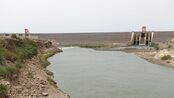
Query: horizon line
(77, 32)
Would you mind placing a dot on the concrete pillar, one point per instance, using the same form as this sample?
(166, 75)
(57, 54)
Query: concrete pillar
(152, 35)
(135, 39)
(147, 41)
(140, 38)
(145, 38)
(132, 38)
(149, 34)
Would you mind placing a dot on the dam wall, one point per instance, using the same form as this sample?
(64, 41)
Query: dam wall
(110, 37)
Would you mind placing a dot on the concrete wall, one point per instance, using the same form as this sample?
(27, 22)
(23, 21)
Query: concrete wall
(142, 38)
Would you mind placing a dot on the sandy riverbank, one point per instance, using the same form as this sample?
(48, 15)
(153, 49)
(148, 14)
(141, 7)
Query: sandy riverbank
(152, 57)
(149, 54)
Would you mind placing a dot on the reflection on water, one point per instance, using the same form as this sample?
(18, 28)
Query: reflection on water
(86, 73)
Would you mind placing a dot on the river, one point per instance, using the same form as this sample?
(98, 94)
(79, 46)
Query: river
(86, 73)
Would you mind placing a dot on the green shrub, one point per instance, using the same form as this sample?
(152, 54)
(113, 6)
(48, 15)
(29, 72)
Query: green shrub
(3, 88)
(18, 66)
(11, 70)
(10, 56)
(27, 41)
(27, 51)
(14, 36)
(155, 45)
(22, 49)
(166, 57)
(1, 59)
(168, 61)
(93, 46)
(170, 46)
(5, 70)
(52, 82)
(4, 53)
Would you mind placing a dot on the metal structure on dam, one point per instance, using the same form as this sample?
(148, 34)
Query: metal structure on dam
(142, 38)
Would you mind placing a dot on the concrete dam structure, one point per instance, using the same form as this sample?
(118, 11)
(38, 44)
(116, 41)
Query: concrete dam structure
(142, 38)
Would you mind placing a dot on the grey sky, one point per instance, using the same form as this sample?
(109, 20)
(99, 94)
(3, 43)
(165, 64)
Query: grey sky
(85, 15)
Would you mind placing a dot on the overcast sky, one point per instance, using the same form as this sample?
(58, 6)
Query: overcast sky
(85, 15)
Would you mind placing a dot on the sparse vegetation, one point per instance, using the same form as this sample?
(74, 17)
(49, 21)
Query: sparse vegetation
(49, 72)
(11, 70)
(3, 88)
(27, 51)
(17, 49)
(166, 57)
(168, 61)
(8, 55)
(6, 70)
(155, 45)
(52, 82)
(18, 66)
(170, 46)
(14, 53)
(14, 36)
(3, 91)
(44, 58)
(95, 46)
(30, 75)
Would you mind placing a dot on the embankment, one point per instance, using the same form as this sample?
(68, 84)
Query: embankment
(31, 79)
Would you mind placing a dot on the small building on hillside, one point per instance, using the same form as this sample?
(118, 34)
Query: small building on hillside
(142, 38)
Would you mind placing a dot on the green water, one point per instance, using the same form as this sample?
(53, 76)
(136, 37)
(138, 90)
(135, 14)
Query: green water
(86, 73)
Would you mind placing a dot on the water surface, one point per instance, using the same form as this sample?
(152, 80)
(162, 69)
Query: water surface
(86, 73)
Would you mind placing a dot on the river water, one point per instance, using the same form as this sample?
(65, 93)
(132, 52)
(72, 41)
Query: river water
(86, 73)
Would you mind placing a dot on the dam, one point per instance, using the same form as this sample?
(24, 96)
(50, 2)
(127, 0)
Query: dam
(104, 37)
(144, 37)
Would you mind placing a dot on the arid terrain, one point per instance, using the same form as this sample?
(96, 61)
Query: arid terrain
(23, 72)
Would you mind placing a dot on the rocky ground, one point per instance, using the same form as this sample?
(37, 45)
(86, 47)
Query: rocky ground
(33, 80)
(164, 55)
(156, 57)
